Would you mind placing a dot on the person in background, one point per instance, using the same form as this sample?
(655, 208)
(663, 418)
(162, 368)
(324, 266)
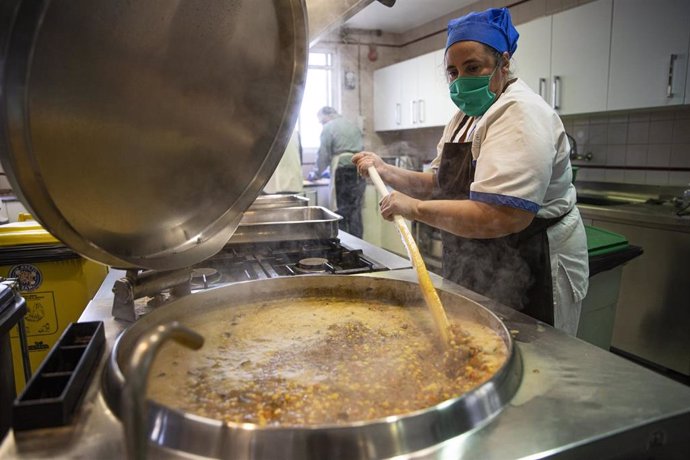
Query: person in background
(500, 189)
(287, 178)
(340, 139)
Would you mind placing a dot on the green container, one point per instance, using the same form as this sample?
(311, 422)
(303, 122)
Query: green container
(600, 241)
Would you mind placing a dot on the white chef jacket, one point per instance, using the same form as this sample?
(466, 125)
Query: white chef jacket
(521, 155)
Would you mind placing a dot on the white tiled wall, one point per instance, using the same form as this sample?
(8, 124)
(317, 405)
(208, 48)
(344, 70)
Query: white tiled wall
(655, 138)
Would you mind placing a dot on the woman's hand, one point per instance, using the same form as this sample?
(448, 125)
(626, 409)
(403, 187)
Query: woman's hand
(364, 160)
(398, 203)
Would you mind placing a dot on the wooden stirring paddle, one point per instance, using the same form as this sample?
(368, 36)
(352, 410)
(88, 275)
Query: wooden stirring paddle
(433, 302)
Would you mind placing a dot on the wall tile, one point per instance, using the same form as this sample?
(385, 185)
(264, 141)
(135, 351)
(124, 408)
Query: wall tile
(597, 175)
(638, 116)
(681, 131)
(599, 118)
(615, 175)
(615, 155)
(636, 155)
(618, 118)
(598, 133)
(679, 178)
(661, 131)
(638, 132)
(662, 114)
(683, 113)
(581, 133)
(658, 155)
(635, 177)
(583, 174)
(680, 156)
(657, 178)
(617, 133)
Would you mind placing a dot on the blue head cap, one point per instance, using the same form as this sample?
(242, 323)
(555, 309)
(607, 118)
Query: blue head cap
(492, 27)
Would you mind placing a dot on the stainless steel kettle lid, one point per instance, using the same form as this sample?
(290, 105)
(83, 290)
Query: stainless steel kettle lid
(138, 132)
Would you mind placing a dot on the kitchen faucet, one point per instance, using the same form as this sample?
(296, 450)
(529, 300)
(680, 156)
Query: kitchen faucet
(573, 150)
(684, 203)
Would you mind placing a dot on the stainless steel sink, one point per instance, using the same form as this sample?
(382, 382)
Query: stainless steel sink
(602, 200)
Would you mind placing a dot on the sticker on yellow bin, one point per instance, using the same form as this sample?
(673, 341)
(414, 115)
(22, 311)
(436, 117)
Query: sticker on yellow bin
(56, 283)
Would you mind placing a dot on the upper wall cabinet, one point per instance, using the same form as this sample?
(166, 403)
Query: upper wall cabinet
(533, 56)
(649, 53)
(387, 98)
(580, 43)
(565, 57)
(412, 94)
(437, 107)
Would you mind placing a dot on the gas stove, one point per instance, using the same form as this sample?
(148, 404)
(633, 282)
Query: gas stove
(252, 261)
(139, 291)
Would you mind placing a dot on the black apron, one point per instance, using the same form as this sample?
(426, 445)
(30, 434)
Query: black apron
(514, 270)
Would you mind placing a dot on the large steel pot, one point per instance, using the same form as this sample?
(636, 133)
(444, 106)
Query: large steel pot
(390, 436)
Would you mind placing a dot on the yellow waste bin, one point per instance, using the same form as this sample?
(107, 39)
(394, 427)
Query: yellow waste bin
(56, 282)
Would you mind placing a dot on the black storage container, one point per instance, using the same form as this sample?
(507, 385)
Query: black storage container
(12, 310)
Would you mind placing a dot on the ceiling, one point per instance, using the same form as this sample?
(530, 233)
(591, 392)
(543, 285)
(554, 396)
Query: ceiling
(404, 15)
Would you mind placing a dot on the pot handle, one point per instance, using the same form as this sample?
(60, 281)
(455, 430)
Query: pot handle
(133, 405)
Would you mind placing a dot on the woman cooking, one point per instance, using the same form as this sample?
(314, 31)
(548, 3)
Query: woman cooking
(501, 188)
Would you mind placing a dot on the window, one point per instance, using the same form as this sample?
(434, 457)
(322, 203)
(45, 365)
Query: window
(318, 92)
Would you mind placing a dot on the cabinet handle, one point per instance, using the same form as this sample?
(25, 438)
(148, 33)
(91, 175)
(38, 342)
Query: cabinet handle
(398, 112)
(542, 88)
(556, 93)
(669, 88)
(421, 108)
(413, 112)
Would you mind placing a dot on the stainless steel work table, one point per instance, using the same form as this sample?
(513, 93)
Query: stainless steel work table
(575, 400)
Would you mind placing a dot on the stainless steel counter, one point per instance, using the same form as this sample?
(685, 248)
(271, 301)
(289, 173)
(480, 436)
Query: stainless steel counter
(648, 206)
(575, 400)
(662, 216)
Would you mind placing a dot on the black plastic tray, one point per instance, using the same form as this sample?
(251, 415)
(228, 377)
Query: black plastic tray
(54, 392)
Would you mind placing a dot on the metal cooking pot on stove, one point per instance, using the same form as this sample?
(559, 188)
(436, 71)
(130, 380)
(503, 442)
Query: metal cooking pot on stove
(395, 434)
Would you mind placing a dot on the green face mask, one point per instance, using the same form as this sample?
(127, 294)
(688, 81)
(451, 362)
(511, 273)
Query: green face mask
(472, 94)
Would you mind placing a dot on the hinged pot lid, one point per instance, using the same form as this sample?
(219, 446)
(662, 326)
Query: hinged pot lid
(138, 132)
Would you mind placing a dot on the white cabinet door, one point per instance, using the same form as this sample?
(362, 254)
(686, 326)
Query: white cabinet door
(533, 56)
(371, 216)
(580, 44)
(412, 94)
(387, 98)
(436, 108)
(649, 53)
(408, 75)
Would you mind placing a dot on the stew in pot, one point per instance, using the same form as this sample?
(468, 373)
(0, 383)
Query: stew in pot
(317, 361)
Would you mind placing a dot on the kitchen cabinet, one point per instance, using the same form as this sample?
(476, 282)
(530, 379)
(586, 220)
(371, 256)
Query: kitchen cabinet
(533, 56)
(377, 230)
(580, 44)
(412, 94)
(388, 98)
(371, 219)
(649, 53)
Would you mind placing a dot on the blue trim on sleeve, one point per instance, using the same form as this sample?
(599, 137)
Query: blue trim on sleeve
(474, 163)
(505, 200)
